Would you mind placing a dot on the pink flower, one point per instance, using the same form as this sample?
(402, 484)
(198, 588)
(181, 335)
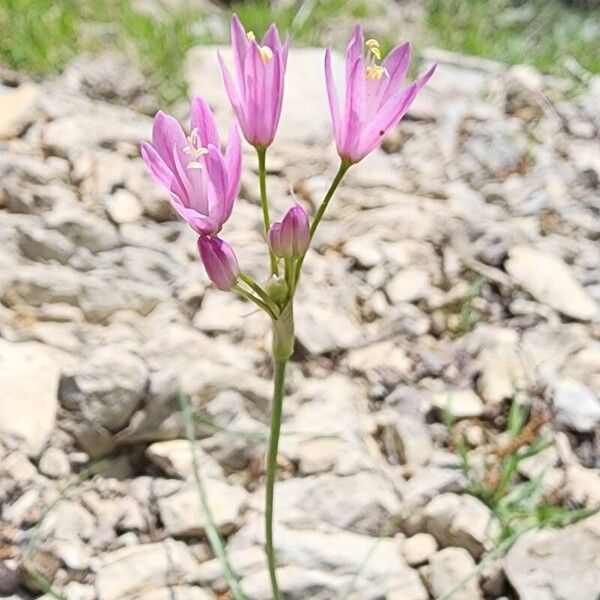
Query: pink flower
(291, 237)
(219, 261)
(260, 70)
(375, 100)
(203, 181)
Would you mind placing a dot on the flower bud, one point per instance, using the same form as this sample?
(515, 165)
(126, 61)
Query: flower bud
(278, 290)
(219, 261)
(290, 238)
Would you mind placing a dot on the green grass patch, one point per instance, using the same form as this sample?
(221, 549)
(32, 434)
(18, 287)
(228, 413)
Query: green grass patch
(545, 33)
(307, 21)
(519, 505)
(42, 36)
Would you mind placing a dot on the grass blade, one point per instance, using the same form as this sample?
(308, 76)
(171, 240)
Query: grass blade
(212, 531)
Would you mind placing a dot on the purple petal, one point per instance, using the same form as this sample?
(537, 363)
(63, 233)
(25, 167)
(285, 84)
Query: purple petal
(285, 50)
(386, 118)
(254, 101)
(425, 78)
(218, 184)
(352, 121)
(271, 39)
(273, 91)
(334, 108)
(156, 165)
(354, 49)
(166, 134)
(396, 65)
(233, 94)
(160, 171)
(201, 224)
(220, 262)
(202, 118)
(233, 161)
(189, 198)
(239, 45)
(230, 88)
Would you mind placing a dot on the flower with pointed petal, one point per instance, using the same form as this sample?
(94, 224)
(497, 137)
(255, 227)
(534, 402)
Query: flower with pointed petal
(375, 99)
(257, 95)
(202, 180)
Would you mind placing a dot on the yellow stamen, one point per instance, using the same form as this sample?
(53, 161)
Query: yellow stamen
(373, 47)
(194, 149)
(266, 53)
(375, 72)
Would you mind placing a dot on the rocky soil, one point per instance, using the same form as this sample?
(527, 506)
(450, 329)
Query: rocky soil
(458, 268)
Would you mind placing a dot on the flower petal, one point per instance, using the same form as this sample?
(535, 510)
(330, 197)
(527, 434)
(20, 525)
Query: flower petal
(201, 224)
(203, 119)
(233, 162)
(352, 121)
(425, 78)
(285, 50)
(396, 65)
(386, 118)
(254, 101)
(271, 39)
(239, 44)
(273, 93)
(354, 49)
(218, 184)
(334, 107)
(166, 134)
(233, 94)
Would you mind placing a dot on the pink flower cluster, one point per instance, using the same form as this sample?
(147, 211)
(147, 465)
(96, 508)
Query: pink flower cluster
(203, 179)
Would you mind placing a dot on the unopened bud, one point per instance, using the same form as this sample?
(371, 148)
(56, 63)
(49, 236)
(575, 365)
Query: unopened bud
(219, 261)
(291, 237)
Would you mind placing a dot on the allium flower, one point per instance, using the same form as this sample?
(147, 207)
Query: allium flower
(374, 97)
(290, 238)
(220, 262)
(260, 71)
(203, 181)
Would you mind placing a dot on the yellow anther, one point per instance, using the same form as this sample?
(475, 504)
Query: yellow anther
(194, 149)
(375, 72)
(373, 47)
(266, 53)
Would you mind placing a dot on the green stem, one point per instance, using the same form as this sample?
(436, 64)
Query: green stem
(289, 274)
(212, 531)
(263, 295)
(344, 166)
(248, 296)
(278, 384)
(264, 203)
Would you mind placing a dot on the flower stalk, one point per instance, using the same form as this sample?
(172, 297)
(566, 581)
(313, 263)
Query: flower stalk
(271, 468)
(264, 202)
(343, 169)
